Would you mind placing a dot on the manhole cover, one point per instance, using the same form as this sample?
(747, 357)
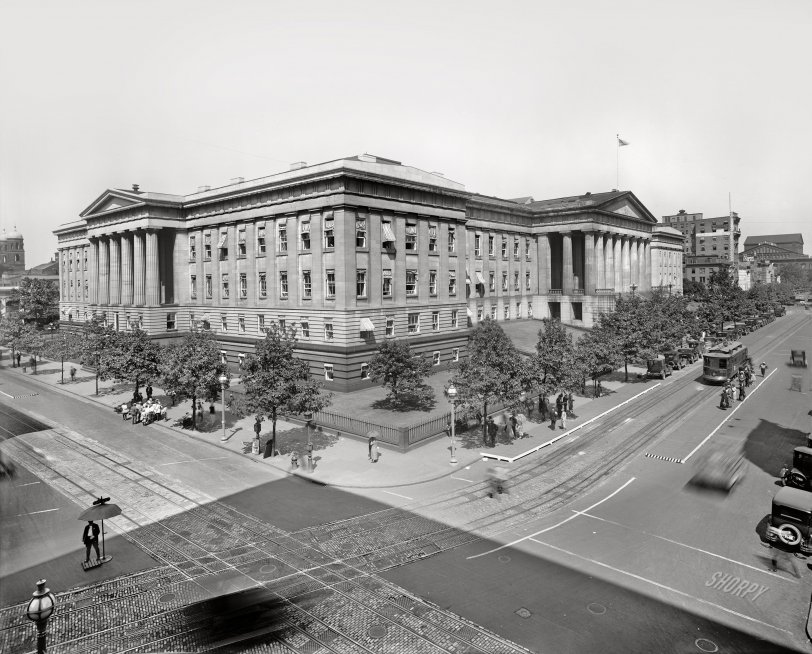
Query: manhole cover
(705, 645)
(504, 558)
(376, 631)
(523, 613)
(267, 569)
(166, 597)
(597, 609)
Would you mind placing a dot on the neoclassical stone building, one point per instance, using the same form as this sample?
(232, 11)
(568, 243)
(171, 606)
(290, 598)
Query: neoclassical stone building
(352, 252)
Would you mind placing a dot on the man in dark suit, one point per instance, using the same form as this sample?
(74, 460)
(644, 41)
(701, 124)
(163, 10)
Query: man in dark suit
(90, 537)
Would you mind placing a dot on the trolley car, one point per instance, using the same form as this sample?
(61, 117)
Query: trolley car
(723, 361)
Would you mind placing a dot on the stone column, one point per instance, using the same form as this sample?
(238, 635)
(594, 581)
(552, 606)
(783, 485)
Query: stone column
(625, 266)
(634, 269)
(543, 249)
(126, 270)
(617, 263)
(153, 291)
(548, 265)
(104, 271)
(566, 263)
(93, 272)
(138, 269)
(600, 260)
(115, 270)
(590, 267)
(646, 265)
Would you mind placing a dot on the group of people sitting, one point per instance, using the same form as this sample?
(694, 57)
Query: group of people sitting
(144, 412)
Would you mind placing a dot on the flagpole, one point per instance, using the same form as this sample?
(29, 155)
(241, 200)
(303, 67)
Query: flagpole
(617, 163)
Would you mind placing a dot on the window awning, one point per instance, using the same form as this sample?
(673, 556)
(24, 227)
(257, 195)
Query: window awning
(367, 325)
(470, 313)
(222, 242)
(388, 234)
(479, 278)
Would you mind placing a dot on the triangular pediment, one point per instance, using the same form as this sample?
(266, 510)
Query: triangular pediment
(628, 205)
(112, 201)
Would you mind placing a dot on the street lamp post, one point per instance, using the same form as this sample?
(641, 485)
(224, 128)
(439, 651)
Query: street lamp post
(452, 395)
(223, 381)
(39, 610)
(634, 288)
(309, 461)
(669, 290)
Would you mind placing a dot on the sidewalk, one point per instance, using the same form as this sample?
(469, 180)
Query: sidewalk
(338, 460)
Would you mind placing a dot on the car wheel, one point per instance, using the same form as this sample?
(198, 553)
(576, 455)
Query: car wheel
(797, 479)
(789, 534)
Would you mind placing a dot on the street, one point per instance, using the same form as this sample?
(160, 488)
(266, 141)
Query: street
(601, 543)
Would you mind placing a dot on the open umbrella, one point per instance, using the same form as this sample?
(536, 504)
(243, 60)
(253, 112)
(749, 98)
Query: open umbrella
(101, 511)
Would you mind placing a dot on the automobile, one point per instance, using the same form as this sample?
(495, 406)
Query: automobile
(719, 469)
(657, 368)
(688, 354)
(800, 475)
(791, 519)
(798, 358)
(673, 359)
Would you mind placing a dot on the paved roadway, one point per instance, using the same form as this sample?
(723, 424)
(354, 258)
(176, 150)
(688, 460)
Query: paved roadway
(644, 569)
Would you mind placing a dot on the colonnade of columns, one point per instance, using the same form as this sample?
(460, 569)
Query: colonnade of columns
(611, 262)
(124, 269)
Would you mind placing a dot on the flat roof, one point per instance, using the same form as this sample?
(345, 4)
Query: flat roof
(794, 498)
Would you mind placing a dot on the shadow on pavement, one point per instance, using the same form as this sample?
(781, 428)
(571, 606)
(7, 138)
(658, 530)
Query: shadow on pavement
(769, 446)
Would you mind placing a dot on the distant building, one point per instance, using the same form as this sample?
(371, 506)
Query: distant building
(352, 252)
(12, 252)
(789, 242)
(777, 249)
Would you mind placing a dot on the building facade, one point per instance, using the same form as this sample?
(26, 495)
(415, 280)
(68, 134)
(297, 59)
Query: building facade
(12, 252)
(772, 254)
(352, 252)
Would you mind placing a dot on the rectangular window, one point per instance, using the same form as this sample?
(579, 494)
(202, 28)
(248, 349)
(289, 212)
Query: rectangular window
(492, 281)
(261, 328)
(282, 236)
(170, 321)
(85, 260)
(364, 371)
(515, 281)
(86, 290)
(328, 331)
(432, 282)
(411, 236)
(527, 249)
(577, 311)
(224, 323)
(452, 282)
(241, 324)
(328, 371)
(518, 309)
(241, 360)
(261, 239)
(263, 285)
(411, 282)
(455, 354)
(387, 235)
(243, 286)
(414, 323)
(504, 247)
(208, 287)
(207, 246)
(305, 328)
(452, 238)
(307, 284)
(330, 278)
(435, 359)
(435, 321)
(193, 286)
(283, 285)
(282, 324)
(360, 232)
(529, 309)
(224, 280)
(360, 283)
(490, 246)
(304, 235)
(506, 311)
(516, 247)
(390, 326)
(386, 286)
(432, 238)
(477, 245)
(527, 281)
(192, 248)
(329, 232)
(504, 281)
(241, 242)
(223, 356)
(222, 245)
(479, 313)
(454, 318)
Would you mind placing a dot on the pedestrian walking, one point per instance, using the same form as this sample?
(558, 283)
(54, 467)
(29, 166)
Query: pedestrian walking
(492, 430)
(513, 426)
(257, 426)
(570, 404)
(741, 392)
(543, 408)
(19, 356)
(148, 390)
(723, 399)
(563, 417)
(559, 404)
(72, 373)
(599, 390)
(763, 366)
(90, 538)
(32, 361)
(371, 442)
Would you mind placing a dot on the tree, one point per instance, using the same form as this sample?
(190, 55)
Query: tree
(12, 329)
(554, 363)
(38, 300)
(794, 276)
(629, 328)
(277, 381)
(31, 341)
(401, 371)
(691, 288)
(191, 369)
(494, 370)
(65, 344)
(132, 356)
(595, 355)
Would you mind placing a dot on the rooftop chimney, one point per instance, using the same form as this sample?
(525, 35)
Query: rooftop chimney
(237, 180)
(298, 164)
(135, 188)
(587, 193)
(682, 210)
(205, 187)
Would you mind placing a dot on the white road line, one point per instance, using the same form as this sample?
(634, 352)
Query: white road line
(19, 515)
(396, 495)
(7, 395)
(572, 517)
(30, 483)
(727, 417)
(662, 586)
(470, 481)
(211, 458)
(691, 547)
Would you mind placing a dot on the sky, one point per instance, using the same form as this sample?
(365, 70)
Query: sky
(508, 98)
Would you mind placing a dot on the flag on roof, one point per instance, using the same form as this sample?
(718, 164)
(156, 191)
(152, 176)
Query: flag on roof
(621, 142)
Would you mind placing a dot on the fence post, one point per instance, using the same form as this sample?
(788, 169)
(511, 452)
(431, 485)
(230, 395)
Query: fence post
(404, 439)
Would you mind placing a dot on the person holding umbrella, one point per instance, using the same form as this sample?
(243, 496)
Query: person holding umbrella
(90, 538)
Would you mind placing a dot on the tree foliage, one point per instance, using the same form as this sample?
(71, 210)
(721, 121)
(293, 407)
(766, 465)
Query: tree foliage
(38, 300)
(12, 331)
(631, 330)
(494, 370)
(192, 368)
(277, 381)
(63, 345)
(401, 371)
(131, 356)
(554, 365)
(596, 355)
